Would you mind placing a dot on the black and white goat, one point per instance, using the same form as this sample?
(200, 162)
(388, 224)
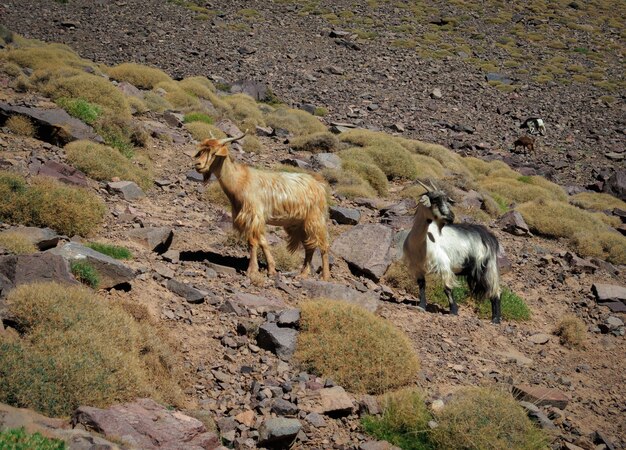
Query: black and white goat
(437, 246)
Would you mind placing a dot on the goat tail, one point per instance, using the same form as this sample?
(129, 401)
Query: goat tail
(484, 278)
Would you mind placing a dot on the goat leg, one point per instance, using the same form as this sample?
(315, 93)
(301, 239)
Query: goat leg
(253, 266)
(325, 265)
(495, 310)
(306, 266)
(454, 309)
(421, 282)
(271, 265)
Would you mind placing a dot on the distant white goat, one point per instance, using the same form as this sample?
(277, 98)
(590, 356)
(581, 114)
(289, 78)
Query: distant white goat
(437, 246)
(295, 201)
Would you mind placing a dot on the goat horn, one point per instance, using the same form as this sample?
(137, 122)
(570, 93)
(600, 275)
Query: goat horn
(424, 186)
(433, 185)
(211, 134)
(232, 139)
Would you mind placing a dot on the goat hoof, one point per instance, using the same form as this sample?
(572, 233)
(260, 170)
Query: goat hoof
(495, 321)
(421, 309)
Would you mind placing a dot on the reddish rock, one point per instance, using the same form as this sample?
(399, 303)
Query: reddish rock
(541, 396)
(146, 424)
(62, 172)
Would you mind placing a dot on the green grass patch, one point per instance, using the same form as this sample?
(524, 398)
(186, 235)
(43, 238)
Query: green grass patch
(513, 307)
(76, 348)
(403, 422)
(87, 274)
(19, 439)
(81, 109)
(357, 349)
(198, 117)
(49, 203)
(114, 251)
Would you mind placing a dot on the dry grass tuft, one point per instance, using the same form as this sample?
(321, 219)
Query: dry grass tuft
(215, 194)
(588, 232)
(521, 189)
(75, 349)
(427, 167)
(572, 331)
(295, 121)
(175, 95)
(287, 261)
(201, 87)
(360, 351)
(101, 162)
(452, 162)
(155, 102)
(201, 131)
(21, 125)
(322, 142)
(349, 183)
(16, 243)
(597, 201)
(486, 418)
(39, 55)
(49, 203)
(244, 110)
(138, 75)
(368, 171)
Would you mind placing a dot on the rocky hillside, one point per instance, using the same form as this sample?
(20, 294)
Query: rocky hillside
(223, 351)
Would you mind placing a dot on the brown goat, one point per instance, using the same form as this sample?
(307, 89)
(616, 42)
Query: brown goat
(526, 142)
(295, 201)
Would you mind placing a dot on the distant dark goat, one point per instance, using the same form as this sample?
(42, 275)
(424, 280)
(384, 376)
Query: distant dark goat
(436, 245)
(526, 142)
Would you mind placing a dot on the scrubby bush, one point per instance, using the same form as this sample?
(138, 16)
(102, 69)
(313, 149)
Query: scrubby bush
(17, 243)
(484, 419)
(101, 162)
(447, 158)
(201, 131)
(49, 203)
(198, 86)
(295, 121)
(177, 96)
(597, 201)
(18, 439)
(138, 75)
(588, 232)
(358, 350)
(514, 190)
(244, 110)
(348, 183)
(370, 172)
(76, 349)
(427, 167)
(572, 331)
(251, 144)
(114, 251)
(39, 55)
(285, 260)
(198, 117)
(20, 125)
(155, 102)
(403, 422)
(322, 142)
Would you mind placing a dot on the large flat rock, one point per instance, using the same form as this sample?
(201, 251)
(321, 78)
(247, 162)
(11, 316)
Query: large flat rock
(16, 270)
(366, 248)
(147, 425)
(112, 272)
(334, 291)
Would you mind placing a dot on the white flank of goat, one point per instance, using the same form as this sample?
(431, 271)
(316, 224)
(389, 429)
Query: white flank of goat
(437, 246)
(295, 201)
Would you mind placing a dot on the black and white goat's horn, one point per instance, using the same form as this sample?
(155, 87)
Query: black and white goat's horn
(424, 186)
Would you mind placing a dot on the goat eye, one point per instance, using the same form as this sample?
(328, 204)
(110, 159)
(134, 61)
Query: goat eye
(429, 221)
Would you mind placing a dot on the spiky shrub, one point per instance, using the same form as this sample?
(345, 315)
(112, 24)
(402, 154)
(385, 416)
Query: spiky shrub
(348, 183)
(485, 418)
(244, 110)
(322, 142)
(138, 75)
(201, 131)
(86, 273)
(572, 331)
(81, 109)
(114, 251)
(155, 102)
(360, 351)
(177, 96)
(198, 86)
(17, 243)
(597, 201)
(93, 89)
(78, 349)
(39, 55)
(587, 232)
(18, 439)
(103, 163)
(370, 172)
(295, 121)
(20, 125)
(49, 203)
(403, 422)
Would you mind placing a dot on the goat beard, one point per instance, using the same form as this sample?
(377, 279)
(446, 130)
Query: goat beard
(206, 176)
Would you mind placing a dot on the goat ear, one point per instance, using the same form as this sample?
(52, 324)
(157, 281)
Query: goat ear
(222, 151)
(424, 200)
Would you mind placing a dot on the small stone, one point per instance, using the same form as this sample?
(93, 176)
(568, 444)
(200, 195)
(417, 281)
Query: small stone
(436, 93)
(437, 405)
(539, 338)
(128, 190)
(315, 419)
(279, 431)
(541, 396)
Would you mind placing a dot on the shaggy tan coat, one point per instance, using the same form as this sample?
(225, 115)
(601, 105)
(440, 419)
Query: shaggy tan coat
(295, 201)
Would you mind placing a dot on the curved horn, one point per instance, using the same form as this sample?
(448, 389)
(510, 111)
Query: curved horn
(211, 134)
(232, 139)
(433, 185)
(424, 186)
